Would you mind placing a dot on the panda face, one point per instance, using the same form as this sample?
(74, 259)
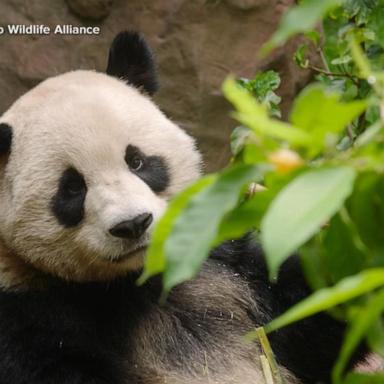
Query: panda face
(91, 167)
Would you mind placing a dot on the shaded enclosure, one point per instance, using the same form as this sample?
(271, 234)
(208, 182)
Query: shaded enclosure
(197, 43)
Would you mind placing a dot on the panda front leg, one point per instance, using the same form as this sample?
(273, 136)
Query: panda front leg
(63, 371)
(49, 338)
(76, 372)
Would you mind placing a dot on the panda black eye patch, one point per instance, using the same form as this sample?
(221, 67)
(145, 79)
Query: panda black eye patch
(68, 203)
(151, 169)
(5, 138)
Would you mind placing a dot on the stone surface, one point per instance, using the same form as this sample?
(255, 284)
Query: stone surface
(250, 4)
(91, 9)
(197, 43)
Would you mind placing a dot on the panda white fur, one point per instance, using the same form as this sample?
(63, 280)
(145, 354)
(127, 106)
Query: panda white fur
(87, 165)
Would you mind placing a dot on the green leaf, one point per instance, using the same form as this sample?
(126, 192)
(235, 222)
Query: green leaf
(272, 102)
(334, 45)
(253, 153)
(300, 18)
(320, 112)
(314, 36)
(263, 125)
(358, 326)
(326, 298)
(254, 115)
(369, 134)
(312, 264)
(375, 337)
(372, 115)
(342, 60)
(366, 207)
(263, 83)
(200, 220)
(239, 138)
(262, 87)
(244, 218)
(360, 59)
(155, 258)
(267, 81)
(300, 56)
(363, 378)
(300, 209)
(343, 250)
(376, 23)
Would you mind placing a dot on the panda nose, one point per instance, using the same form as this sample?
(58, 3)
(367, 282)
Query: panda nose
(132, 229)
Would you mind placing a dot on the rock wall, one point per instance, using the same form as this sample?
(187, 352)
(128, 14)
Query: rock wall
(197, 43)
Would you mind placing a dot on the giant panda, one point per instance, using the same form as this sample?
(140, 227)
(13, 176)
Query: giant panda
(88, 163)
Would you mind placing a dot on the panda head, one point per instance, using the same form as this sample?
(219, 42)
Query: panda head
(87, 165)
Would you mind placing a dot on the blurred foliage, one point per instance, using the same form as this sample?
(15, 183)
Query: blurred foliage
(322, 171)
(262, 87)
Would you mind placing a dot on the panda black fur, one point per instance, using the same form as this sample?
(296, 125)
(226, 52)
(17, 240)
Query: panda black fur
(88, 164)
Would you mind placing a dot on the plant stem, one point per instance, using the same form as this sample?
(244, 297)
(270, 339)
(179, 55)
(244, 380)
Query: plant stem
(332, 74)
(269, 354)
(324, 61)
(266, 370)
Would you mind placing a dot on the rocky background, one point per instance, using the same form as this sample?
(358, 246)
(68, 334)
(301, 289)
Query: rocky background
(197, 43)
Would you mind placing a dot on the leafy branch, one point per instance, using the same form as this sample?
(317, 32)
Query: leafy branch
(322, 171)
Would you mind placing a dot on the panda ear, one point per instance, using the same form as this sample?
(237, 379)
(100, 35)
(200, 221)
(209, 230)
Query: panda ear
(5, 138)
(130, 59)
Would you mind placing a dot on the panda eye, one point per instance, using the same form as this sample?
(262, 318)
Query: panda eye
(74, 187)
(67, 204)
(135, 163)
(73, 183)
(151, 169)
